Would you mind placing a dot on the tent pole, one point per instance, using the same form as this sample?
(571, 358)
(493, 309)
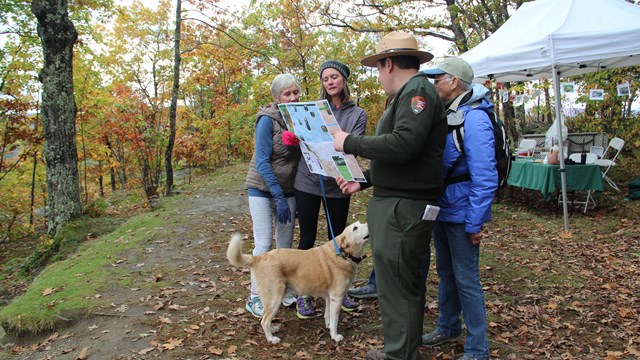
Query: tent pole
(559, 122)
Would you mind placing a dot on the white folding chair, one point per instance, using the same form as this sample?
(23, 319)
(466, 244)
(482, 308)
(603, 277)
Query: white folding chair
(528, 146)
(616, 144)
(598, 150)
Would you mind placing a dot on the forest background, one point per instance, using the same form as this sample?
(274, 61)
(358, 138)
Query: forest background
(178, 84)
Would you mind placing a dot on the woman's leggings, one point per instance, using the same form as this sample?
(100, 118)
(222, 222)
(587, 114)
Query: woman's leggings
(308, 212)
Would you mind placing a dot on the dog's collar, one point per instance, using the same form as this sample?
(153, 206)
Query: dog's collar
(356, 260)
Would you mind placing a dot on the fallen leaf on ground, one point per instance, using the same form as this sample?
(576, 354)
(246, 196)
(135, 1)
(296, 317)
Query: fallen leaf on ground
(84, 354)
(215, 350)
(48, 291)
(566, 235)
(145, 351)
(172, 344)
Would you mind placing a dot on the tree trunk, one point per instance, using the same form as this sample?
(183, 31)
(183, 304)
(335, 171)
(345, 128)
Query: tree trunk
(168, 156)
(112, 171)
(508, 116)
(100, 179)
(58, 35)
(85, 187)
(547, 104)
(32, 198)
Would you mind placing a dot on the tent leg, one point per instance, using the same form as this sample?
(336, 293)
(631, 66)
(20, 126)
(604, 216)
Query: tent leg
(563, 176)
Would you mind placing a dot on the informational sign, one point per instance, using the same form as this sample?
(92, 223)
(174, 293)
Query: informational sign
(314, 124)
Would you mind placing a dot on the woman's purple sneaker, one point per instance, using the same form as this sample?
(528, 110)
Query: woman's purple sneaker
(349, 305)
(304, 306)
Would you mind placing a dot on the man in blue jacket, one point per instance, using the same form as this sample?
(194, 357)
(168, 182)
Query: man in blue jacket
(471, 180)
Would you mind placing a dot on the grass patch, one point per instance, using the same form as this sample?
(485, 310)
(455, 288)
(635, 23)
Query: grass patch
(24, 258)
(68, 240)
(65, 289)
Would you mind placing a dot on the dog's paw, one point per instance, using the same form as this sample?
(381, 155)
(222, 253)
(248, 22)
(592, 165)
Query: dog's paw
(337, 338)
(273, 339)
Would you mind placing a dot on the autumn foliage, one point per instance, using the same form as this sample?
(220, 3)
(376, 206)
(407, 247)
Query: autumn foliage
(123, 75)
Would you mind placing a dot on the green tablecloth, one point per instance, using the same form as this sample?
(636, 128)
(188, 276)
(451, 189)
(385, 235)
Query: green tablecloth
(546, 178)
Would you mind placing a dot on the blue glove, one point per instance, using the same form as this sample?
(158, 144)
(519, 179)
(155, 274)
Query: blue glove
(284, 213)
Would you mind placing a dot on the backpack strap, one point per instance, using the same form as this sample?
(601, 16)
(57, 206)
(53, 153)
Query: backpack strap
(448, 180)
(455, 120)
(458, 138)
(456, 103)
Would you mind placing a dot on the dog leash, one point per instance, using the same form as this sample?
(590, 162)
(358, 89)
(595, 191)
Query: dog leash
(326, 212)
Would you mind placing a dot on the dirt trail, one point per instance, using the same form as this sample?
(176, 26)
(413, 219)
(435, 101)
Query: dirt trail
(176, 278)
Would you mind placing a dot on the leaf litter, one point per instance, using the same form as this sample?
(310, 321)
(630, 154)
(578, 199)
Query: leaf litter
(551, 295)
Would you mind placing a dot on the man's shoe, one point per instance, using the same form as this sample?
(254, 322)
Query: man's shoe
(255, 307)
(289, 299)
(436, 338)
(363, 292)
(471, 357)
(304, 306)
(349, 305)
(375, 355)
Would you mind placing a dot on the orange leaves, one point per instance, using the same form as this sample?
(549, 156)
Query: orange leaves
(172, 344)
(627, 313)
(565, 235)
(192, 329)
(215, 351)
(231, 350)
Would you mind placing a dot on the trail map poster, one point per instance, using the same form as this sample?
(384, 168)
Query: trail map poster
(314, 124)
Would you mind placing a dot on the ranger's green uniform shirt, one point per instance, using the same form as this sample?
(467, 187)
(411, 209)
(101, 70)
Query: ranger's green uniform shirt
(406, 153)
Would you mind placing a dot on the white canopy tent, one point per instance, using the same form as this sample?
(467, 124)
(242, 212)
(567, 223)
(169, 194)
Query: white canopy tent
(559, 38)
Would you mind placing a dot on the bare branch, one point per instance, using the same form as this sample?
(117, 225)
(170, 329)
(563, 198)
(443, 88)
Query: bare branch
(217, 28)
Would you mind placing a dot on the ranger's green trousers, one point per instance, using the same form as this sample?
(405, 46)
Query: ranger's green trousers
(400, 240)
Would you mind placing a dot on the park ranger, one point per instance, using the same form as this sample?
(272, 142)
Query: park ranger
(406, 174)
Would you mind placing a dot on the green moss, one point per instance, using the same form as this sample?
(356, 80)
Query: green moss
(67, 241)
(66, 289)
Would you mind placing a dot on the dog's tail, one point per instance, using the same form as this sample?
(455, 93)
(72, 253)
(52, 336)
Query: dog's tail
(234, 252)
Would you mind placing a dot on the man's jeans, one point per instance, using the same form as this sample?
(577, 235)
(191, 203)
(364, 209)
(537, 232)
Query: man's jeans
(459, 289)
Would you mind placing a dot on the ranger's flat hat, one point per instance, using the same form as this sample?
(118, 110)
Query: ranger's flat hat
(397, 43)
